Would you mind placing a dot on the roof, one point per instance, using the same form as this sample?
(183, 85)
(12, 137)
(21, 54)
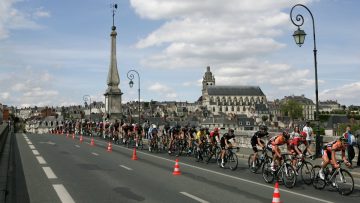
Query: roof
(301, 99)
(235, 90)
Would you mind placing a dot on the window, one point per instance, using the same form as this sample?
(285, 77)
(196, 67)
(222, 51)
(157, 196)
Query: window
(232, 108)
(226, 109)
(247, 122)
(213, 109)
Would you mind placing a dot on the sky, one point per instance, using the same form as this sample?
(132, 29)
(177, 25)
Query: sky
(52, 53)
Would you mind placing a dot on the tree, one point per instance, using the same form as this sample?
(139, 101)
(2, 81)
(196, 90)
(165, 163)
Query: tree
(264, 118)
(292, 108)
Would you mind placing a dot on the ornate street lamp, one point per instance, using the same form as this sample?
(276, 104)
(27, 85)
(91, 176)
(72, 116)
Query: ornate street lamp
(130, 76)
(299, 37)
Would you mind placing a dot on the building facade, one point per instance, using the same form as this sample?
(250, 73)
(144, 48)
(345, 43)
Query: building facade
(232, 99)
(307, 105)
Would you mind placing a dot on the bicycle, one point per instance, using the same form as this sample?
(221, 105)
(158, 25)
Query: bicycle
(214, 151)
(340, 179)
(230, 158)
(259, 161)
(304, 169)
(285, 173)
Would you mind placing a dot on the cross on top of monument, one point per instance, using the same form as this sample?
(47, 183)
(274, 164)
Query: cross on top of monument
(113, 7)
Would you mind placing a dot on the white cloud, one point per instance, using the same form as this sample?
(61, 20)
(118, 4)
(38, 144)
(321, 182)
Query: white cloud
(4, 95)
(29, 86)
(40, 13)
(163, 90)
(346, 94)
(12, 18)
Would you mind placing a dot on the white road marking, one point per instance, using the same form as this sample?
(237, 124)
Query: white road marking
(77, 146)
(49, 173)
(41, 160)
(29, 142)
(95, 154)
(125, 167)
(229, 176)
(194, 197)
(35, 152)
(32, 146)
(63, 193)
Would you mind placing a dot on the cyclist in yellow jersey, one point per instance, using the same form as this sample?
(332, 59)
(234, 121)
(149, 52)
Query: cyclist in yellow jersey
(200, 139)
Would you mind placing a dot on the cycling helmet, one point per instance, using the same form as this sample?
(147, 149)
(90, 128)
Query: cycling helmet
(202, 128)
(343, 139)
(263, 127)
(231, 130)
(216, 129)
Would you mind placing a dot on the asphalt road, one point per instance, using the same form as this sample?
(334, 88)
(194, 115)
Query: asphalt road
(60, 169)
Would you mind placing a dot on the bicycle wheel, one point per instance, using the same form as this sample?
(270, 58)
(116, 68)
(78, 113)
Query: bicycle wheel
(267, 173)
(344, 182)
(288, 175)
(318, 183)
(232, 161)
(306, 172)
(253, 167)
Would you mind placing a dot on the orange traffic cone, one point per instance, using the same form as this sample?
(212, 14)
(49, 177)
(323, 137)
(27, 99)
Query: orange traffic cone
(134, 157)
(176, 168)
(73, 137)
(276, 195)
(109, 148)
(81, 139)
(92, 143)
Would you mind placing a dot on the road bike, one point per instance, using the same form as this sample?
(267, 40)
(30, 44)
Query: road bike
(284, 173)
(230, 158)
(259, 160)
(340, 179)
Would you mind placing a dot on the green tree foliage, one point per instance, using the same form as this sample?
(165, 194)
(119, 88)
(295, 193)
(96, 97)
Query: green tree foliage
(342, 127)
(292, 108)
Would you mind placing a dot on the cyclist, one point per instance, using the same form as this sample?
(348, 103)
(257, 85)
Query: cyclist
(274, 143)
(256, 140)
(153, 133)
(174, 134)
(225, 144)
(329, 154)
(191, 138)
(293, 146)
(200, 139)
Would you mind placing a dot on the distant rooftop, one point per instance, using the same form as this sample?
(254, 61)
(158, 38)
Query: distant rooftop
(235, 90)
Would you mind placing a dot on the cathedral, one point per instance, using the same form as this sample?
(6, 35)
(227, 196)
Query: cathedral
(246, 100)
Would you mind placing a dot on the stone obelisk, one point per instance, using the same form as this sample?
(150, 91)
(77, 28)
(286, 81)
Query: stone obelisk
(113, 92)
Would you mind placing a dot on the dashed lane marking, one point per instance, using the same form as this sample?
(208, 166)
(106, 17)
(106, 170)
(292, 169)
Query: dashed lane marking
(32, 146)
(49, 173)
(29, 142)
(77, 146)
(41, 160)
(35, 152)
(125, 167)
(95, 154)
(194, 197)
(63, 194)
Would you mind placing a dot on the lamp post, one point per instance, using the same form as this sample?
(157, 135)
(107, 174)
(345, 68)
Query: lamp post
(87, 98)
(299, 37)
(131, 76)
